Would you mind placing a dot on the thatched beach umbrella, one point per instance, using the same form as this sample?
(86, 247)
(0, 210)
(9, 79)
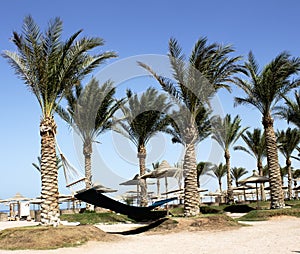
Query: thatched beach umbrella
(255, 178)
(135, 181)
(243, 188)
(164, 171)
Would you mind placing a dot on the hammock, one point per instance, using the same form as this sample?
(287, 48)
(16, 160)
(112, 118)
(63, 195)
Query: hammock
(96, 198)
(75, 179)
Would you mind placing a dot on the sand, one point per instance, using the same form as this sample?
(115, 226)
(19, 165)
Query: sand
(280, 235)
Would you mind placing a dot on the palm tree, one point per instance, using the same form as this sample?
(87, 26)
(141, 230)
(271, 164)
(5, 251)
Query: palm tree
(256, 147)
(288, 141)
(226, 132)
(144, 117)
(90, 111)
(291, 110)
(49, 67)
(219, 172)
(264, 88)
(237, 173)
(202, 169)
(209, 68)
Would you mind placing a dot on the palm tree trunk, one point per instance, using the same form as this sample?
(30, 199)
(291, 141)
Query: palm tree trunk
(230, 198)
(260, 172)
(289, 168)
(191, 195)
(87, 152)
(49, 173)
(143, 184)
(220, 185)
(277, 197)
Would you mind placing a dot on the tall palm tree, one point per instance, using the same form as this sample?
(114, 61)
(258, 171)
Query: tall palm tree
(209, 68)
(90, 112)
(237, 173)
(219, 171)
(50, 66)
(288, 141)
(226, 132)
(256, 147)
(203, 167)
(264, 89)
(144, 117)
(291, 110)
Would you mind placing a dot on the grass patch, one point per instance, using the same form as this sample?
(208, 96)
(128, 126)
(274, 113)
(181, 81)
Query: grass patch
(88, 218)
(293, 203)
(261, 215)
(179, 211)
(41, 238)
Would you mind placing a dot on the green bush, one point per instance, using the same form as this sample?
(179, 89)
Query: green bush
(209, 210)
(238, 209)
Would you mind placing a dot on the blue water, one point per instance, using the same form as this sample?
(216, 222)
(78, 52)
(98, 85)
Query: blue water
(4, 211)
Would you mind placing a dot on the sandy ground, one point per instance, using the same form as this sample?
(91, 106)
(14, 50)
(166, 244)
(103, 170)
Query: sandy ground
(280, 235)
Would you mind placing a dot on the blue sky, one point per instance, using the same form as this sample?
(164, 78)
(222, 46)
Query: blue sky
(133, 28)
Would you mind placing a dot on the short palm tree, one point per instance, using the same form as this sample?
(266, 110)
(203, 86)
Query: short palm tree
(50, 66)
(291, 110)
(264, 89)
(90, 112)
(256, 147)
(237, 173)
(219, 171)
(288, 141)
(208, 69)
(226, 132)
(144, 117)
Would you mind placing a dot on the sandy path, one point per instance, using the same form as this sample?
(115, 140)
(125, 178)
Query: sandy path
(275, 236)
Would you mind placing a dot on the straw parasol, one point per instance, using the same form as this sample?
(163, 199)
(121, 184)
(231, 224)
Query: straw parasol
(100, 188)
(255, 178)
(164, 171)
(243, 188)
(134, 181)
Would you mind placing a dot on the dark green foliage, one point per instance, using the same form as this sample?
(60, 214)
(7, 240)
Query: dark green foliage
(238, 209)
(209, 210)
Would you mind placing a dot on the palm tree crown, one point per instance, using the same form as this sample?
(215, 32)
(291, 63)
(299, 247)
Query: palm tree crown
(50, 66)
(291, 110)
(237, 173)
(256, 146)
(219, 171)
